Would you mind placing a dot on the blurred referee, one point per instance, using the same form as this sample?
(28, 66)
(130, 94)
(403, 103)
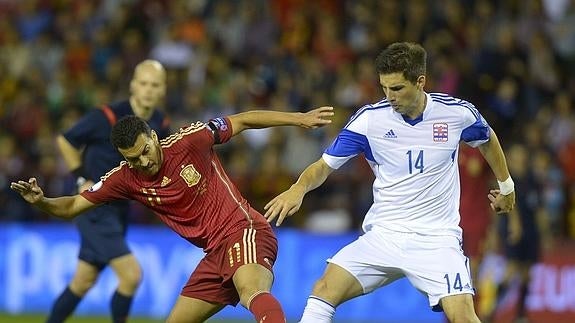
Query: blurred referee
(88, 153)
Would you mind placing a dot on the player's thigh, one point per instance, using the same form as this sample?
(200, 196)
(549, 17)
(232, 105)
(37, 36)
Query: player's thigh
(337, 285)
(84, 277)
(437, 266)
(192, 310)
(360, 267)
(250, 266)
(250, 279)
(127, 269)
(459, 308)
(214, 278)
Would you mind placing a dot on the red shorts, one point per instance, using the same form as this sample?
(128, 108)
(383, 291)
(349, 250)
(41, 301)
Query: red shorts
(212, 279)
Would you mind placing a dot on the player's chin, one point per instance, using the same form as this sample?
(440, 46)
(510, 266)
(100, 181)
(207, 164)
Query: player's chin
(153, 170)
(153, 101)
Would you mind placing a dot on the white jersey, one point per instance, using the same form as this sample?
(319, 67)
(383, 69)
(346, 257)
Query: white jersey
(416, 186)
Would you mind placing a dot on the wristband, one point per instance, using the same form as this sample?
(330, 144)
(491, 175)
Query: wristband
(506, 187)
(80, 181)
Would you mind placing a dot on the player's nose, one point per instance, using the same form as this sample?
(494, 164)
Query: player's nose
(143, 161)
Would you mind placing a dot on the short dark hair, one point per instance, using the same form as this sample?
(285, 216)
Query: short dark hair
(126, 131)
(405, 57)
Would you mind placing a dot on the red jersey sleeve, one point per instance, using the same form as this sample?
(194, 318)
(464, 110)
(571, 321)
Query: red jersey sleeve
(112, 186)
(221, 129)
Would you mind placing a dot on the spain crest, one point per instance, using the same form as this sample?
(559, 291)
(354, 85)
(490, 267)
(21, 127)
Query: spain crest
(190, 175)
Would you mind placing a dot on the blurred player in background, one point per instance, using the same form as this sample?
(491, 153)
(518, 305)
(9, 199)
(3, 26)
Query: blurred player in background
(410, 139)
(474, 179)
(88, 153)
(182, 180)
(523, 232)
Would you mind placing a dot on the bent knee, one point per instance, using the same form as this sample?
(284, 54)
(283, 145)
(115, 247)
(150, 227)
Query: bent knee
(329, 292)
(80, 285)
(321, 287)
(131, 278)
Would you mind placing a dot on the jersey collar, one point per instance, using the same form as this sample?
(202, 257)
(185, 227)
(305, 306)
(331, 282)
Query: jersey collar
(420, 118)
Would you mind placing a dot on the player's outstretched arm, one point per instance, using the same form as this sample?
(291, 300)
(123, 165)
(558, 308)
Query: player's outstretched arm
(65, 207)
(504, 199)
(289, 202)
(257, 119)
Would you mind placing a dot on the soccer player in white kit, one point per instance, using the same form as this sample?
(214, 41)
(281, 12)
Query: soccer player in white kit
(410, 140)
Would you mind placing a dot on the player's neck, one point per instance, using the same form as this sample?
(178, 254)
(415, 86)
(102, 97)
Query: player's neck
(420, 104)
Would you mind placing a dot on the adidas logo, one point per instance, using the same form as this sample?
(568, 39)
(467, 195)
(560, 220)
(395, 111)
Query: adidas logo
(165, 181)
(390, 134)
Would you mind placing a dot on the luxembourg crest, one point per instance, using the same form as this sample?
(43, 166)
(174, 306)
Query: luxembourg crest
(440, 132)
(190, 175)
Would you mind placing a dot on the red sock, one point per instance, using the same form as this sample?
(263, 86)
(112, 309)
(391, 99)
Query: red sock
(267, 309)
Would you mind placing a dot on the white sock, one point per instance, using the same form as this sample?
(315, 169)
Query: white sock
(317, 311)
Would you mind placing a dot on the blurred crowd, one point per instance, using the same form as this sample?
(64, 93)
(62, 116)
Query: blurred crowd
(60, 58)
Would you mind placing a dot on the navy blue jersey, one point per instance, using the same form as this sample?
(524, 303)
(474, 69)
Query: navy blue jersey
(92, 133)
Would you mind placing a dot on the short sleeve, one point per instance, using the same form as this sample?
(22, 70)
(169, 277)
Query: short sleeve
(83, 132)
(350, 142)
(478, 131)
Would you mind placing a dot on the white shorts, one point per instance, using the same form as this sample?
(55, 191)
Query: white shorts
(435, 265)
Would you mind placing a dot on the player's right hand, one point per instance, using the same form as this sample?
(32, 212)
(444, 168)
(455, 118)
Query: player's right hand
(283, 205)
(501, 203)
(30, 191)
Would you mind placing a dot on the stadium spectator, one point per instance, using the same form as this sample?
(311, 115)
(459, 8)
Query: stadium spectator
(182, 180)
(410, 139)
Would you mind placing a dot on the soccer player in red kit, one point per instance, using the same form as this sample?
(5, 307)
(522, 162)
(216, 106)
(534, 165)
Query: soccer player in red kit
(182, 180)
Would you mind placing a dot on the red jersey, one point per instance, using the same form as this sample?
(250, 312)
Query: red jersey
(191, 193)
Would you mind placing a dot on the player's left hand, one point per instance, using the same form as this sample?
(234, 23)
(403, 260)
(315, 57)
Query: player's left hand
(316, 118)
(501, 203)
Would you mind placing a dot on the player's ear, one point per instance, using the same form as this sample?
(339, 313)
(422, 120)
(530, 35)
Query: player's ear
(154, 136)
(421, 82)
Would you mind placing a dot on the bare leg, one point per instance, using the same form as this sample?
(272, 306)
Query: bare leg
(192, 310)
(459, 309)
